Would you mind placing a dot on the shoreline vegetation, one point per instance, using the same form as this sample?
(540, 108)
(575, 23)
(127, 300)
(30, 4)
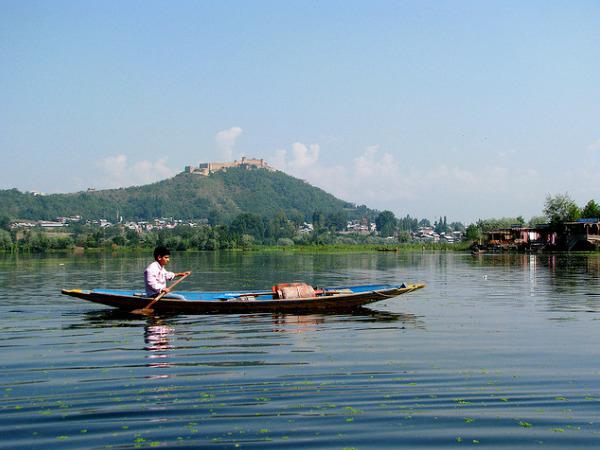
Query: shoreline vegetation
(331, 232)
(301, 248)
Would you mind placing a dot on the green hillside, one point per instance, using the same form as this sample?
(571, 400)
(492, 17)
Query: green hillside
(218, 197)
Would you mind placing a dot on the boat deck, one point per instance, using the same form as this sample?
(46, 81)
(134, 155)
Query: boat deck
(257, 295)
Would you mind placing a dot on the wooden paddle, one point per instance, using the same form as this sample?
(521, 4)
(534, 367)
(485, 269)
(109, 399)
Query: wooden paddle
(147, 310)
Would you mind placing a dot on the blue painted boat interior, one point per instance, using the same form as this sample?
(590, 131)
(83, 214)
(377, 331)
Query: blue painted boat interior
(225, 295)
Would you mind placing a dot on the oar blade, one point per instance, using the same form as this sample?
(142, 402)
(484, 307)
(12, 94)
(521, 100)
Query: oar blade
(142, 312)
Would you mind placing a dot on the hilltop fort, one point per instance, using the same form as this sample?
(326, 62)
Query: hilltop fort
(211, 167)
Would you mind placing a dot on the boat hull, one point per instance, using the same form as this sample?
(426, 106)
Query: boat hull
(346, 298)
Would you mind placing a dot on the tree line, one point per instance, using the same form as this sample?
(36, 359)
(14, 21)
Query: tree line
(245, 231)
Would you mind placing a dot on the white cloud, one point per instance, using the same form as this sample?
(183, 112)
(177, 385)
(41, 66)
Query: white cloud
(303, 159)
(225, 139)
(304, 156)
(380, 180)
(117, 172)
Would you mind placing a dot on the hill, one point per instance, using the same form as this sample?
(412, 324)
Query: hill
(218, 197)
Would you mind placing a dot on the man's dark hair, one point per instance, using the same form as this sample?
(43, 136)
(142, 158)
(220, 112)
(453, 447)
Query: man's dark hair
(161, 251)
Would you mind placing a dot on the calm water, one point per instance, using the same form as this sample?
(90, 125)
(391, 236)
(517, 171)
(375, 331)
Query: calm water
(497, 352)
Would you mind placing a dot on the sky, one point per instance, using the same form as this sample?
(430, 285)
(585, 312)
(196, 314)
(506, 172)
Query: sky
(464, 109)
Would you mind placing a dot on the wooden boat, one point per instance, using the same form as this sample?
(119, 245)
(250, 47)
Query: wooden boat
(332, 299)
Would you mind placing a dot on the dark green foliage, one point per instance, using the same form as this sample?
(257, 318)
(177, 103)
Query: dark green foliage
(318, 220)
(561, 208)
(279, 227)
(249, 224)
(494, 224)
(441, 226)
(218, 198)
(408, 224)
(424, 223)
(386, 223)
(337, 221)
(591, 210)
(4, 223)
(5, 240)
(404, 236)
(473, 232)
(457, 226)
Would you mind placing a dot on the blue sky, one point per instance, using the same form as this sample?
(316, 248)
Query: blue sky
(466, 109)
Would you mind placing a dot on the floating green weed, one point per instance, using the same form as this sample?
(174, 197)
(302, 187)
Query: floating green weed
(525, 424)
(353, 410)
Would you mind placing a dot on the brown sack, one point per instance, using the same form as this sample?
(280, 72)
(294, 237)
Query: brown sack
(293, 290)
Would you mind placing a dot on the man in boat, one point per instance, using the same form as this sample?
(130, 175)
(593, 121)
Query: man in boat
(156, 276)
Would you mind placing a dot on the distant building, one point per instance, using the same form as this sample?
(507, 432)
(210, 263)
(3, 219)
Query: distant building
(211, 167)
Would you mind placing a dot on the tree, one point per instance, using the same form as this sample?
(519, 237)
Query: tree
(246, 241)
(4, 223)
(441, 226)
(404, 236)
(494, 224)
(337, 221)
(408, 224)
(280, 227)
(424, 223)
(457, 226)
(561, 208)
(591, 210)
(386, 223)
(473, 232)
(247, 223)
(5, 240)
(537, 220)
(318, 220)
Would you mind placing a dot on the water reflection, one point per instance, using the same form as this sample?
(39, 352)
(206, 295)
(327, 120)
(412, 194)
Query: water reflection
(288, 323)
(157, 340)
(564, 281)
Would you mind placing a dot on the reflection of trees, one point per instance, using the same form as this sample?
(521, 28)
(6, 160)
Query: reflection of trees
(568, 281)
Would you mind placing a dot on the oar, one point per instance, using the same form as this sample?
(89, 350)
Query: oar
(245, 294)
(147, 310)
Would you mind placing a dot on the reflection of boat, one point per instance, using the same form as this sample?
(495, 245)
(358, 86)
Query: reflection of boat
(282, 298)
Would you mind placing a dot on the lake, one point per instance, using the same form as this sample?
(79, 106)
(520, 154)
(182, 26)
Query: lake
(498, 351)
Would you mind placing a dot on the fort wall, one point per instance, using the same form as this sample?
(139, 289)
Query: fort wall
(248, 163)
